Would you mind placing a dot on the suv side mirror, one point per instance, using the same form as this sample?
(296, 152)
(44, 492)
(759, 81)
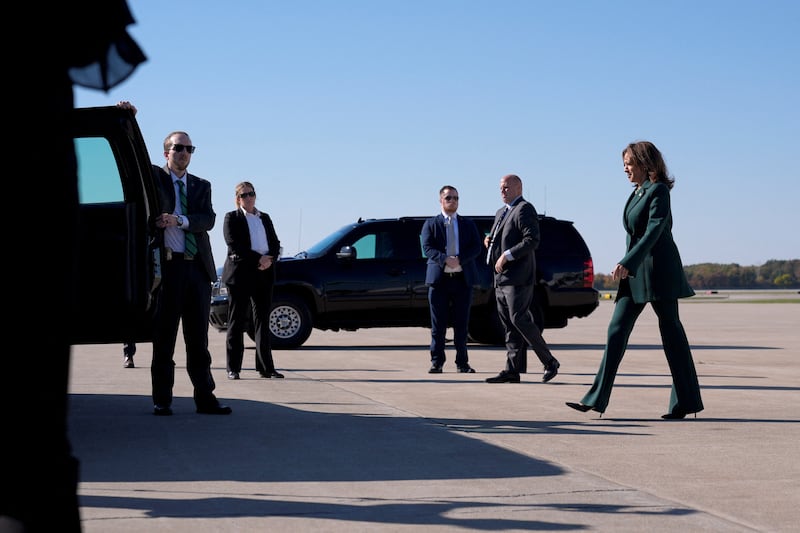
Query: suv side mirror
(346, 252)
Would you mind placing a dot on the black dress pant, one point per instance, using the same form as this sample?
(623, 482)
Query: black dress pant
(184, 298)
(450, 300)
(514, 309)
(243, 297)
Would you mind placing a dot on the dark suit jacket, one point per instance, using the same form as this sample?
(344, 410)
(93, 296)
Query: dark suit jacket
(652, 258)
(434, 243)
(201, 215)
(519, 233)
(241, 264)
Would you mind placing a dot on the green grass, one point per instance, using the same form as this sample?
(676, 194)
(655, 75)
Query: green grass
(731, 297)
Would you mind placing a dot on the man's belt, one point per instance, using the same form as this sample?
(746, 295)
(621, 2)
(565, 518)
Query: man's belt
(178, 256)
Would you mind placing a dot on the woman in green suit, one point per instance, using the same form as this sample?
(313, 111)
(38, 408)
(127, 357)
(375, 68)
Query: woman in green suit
(651, 271)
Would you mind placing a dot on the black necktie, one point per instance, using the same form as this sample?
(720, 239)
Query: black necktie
(494, 234)
(190, 246)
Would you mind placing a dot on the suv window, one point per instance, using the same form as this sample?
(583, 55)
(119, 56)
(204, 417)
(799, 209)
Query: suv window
(97, 169)
(560, 239)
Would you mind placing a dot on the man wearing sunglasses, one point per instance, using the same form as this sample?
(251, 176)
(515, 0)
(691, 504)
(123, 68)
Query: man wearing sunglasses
(451, 244)
(187, 274)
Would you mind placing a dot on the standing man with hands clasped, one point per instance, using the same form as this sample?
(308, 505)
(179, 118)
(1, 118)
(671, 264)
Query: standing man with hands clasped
(451, 244)
(187, 273)
(511, 247)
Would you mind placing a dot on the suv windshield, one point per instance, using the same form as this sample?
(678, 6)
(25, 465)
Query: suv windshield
(319, 249)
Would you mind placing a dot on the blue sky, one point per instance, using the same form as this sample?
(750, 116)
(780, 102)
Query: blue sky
(340, 109)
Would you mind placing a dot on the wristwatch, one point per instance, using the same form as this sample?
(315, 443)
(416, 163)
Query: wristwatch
(180, 220)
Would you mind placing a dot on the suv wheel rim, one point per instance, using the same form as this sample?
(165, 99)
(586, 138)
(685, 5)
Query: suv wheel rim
(284, 322)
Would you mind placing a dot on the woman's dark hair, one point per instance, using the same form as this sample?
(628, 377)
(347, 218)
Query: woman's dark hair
(646, 155)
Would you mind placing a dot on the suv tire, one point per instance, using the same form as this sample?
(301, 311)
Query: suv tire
(289, 322)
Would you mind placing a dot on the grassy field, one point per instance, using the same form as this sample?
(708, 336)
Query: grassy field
(789, 296)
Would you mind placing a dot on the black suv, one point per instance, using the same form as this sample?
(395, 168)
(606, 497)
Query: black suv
(371, 273)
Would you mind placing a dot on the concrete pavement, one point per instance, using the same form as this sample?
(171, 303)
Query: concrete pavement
(359, 437)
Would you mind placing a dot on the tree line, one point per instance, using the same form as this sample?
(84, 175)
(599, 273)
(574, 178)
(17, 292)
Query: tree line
(774, 274)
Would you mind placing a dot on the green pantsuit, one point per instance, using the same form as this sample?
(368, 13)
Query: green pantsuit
(655, 276)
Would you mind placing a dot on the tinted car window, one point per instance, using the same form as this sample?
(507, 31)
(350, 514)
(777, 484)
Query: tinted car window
(365, 247)
(324, 245)
(98, 177)
(560, 239)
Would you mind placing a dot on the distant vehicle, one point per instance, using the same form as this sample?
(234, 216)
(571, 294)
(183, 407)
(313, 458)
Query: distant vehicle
(371, 273)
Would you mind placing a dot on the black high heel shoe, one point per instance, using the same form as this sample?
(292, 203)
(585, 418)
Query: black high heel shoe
(677, 415)
(583, 408)
(579, 406)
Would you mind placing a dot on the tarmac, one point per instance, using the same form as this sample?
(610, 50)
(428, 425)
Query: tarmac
(359, 437)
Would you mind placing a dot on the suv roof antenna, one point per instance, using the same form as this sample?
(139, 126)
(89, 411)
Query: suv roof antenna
(544, 212)
(300, 229)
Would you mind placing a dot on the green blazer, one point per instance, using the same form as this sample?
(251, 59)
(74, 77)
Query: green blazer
(652, 258)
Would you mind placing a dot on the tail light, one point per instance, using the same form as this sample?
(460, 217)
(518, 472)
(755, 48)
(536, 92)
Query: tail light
(588, 274)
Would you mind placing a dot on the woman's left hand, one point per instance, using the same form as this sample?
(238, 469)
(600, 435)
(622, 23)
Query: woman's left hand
(619, 272)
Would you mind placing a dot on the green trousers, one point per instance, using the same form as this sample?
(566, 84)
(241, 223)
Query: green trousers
(685, 396)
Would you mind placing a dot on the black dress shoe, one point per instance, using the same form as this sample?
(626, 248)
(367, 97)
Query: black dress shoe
(550, 370)
(273, 374)
(233, 375)
(504, 377)
(217, 409)
(466, 369)
(579, 406)
(128, 362)
(435, 370)
(162, 410)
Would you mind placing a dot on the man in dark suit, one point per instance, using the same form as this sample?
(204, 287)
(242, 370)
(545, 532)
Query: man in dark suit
(511, 251)
(451, 244)
(249, 274)
(188, 271)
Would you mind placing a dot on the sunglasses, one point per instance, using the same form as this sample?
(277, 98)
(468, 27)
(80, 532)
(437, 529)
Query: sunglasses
(251, 194)
(448, 198)
(179, 148)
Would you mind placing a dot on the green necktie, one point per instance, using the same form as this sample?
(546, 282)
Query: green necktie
(190, 247)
